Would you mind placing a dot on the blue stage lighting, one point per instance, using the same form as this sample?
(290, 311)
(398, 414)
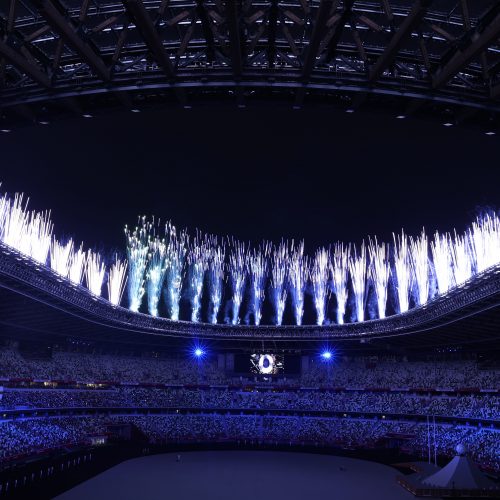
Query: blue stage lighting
(198, 352)
(326, 355)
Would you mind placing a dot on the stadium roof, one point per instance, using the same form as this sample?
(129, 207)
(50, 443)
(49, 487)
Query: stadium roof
(73, 56)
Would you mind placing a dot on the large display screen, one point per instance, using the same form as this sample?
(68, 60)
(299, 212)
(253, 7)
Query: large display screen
(267, 363)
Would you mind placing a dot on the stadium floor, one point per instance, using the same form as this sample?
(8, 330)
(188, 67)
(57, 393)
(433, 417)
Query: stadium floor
(242, 475)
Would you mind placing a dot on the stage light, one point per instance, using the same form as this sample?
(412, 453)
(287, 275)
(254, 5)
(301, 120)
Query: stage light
(490, 133)
(448, 124)
(199, 352)
(326, 355)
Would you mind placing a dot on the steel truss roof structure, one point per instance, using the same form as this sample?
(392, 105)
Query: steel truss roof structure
(73, 55)
(41, 303)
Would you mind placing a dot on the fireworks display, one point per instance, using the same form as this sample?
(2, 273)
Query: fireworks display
(237, 270)
(28, 231)
(155, 275)
(380, 271)
(298, 276)
(257, 265)
(137, 253)
(61, 256)
(358, 270)
(198, 258)
(77, 266)
(320, 272)
(462, 259)
(441, 248)
(176, 245)
(215, 278)
(94, 272)
(174, 264)
(117, 278)
(40, 234)
(484, 241)
(419, 251)
(339, 267)
(279, 261)
(402, 271)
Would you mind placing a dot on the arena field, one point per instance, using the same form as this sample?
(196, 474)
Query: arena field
(244, 475)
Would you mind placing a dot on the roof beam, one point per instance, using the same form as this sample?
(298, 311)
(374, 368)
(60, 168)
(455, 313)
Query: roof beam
(150, 35)
(271, 33)
(234, 36)
(61, 26)
(317, 35)
(388, 10)
(404, 31)
(465, 14)
(486, 32)
(30, 69)
(207, 29)
(339, 26)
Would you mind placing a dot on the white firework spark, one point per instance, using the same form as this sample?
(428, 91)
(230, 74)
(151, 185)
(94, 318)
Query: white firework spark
(441, 259)
(319, 279)
(215, 278)
(15, 233)
(175, 263)
(40, 234)
(61, 256)
(4, 209)
(298, 275)
(198, 258)
(402, 271)
(77, 266)
(339, 268)
(484, 237)
(117, 278)
(461, 258)
(380, 271)
(94, 272)
(238, 262)
(419, 251)
(279, 258)
(257, 265)
(155, 274)
(358, 270)
(137, 253)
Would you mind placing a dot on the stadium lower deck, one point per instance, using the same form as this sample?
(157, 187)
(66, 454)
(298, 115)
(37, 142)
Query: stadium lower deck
(73, 400)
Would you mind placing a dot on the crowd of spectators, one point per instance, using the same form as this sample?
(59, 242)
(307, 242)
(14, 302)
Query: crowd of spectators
(29, 435)
(363, 386)
(344, 372)
(479, 406)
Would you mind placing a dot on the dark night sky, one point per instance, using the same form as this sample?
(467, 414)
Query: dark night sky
(322, 175)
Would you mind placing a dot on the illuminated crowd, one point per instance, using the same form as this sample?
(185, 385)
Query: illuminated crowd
(22, 437)
(391, 373)
(477, 406)
(353, 403)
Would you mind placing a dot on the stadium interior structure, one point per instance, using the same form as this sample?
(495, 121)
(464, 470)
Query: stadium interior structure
(86, 386)
(77, 57)
(88, 380)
